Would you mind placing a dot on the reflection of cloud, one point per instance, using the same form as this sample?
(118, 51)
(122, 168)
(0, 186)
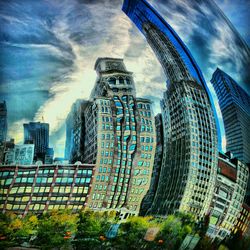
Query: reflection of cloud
(47, 47)
(51, 48)
(16, 131)
(80, 81)
(225, 52)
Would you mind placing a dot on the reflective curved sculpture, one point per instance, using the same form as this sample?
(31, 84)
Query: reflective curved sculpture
(143, 15)
(189, 162)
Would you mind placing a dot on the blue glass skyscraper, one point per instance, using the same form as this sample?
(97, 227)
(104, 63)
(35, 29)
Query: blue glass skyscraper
(235, 108)
(189, 164)
(144, 15)
(38, 134)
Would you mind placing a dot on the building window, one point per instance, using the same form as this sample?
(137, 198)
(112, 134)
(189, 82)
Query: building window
(112, 80)
(121, 80)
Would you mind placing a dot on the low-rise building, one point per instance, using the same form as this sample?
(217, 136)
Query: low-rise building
(20, 155)
(39, 188)
(229, 193)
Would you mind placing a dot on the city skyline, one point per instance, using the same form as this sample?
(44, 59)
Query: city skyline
(145, 140)
(73, 77)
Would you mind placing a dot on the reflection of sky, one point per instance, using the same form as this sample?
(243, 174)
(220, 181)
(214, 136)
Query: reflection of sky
(238, 13)
(49, 47)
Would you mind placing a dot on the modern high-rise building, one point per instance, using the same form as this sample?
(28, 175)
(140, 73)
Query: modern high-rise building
(74, 145)
(235, 108)
(149, 197)
(3, 122)
(181, 64)
(38, 134)
(39, 188)
(189, 164)
(119, 138)
(229, 192)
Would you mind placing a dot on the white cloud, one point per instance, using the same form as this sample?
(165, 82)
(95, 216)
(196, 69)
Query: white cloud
(16, 131)
(102, 30)
(79, 83)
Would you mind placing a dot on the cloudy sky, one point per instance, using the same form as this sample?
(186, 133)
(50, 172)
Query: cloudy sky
(49, 47)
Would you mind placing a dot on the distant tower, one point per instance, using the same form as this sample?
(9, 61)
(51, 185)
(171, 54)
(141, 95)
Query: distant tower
(38, 134)
(189, 164)
(235, 108)
(3, 121)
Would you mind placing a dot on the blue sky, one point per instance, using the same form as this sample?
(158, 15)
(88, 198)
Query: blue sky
(49, 47)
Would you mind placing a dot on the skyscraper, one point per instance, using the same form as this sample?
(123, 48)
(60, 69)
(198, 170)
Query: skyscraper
(74, 145)
(49, 156)
(235, 108)
(144, 16)
(38, 134)
(149, 197)
(189, 162)
(3, 121)
(119, 138)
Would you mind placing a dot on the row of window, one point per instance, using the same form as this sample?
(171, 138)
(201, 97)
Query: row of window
(41, 207)
(147, 128)
(107, 119)
(38, 190)
(107, 136)
(145, 113)
(120, 80)
(146, 139)
(143, 106)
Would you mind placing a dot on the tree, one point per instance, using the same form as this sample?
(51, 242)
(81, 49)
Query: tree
(16, 230)
(55, 229)
(131, 233)
(5, 231)
(92, 227)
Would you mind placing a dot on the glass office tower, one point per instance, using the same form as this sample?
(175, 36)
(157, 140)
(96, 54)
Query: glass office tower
(38, 134)
(189, 162)
(235, 108)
